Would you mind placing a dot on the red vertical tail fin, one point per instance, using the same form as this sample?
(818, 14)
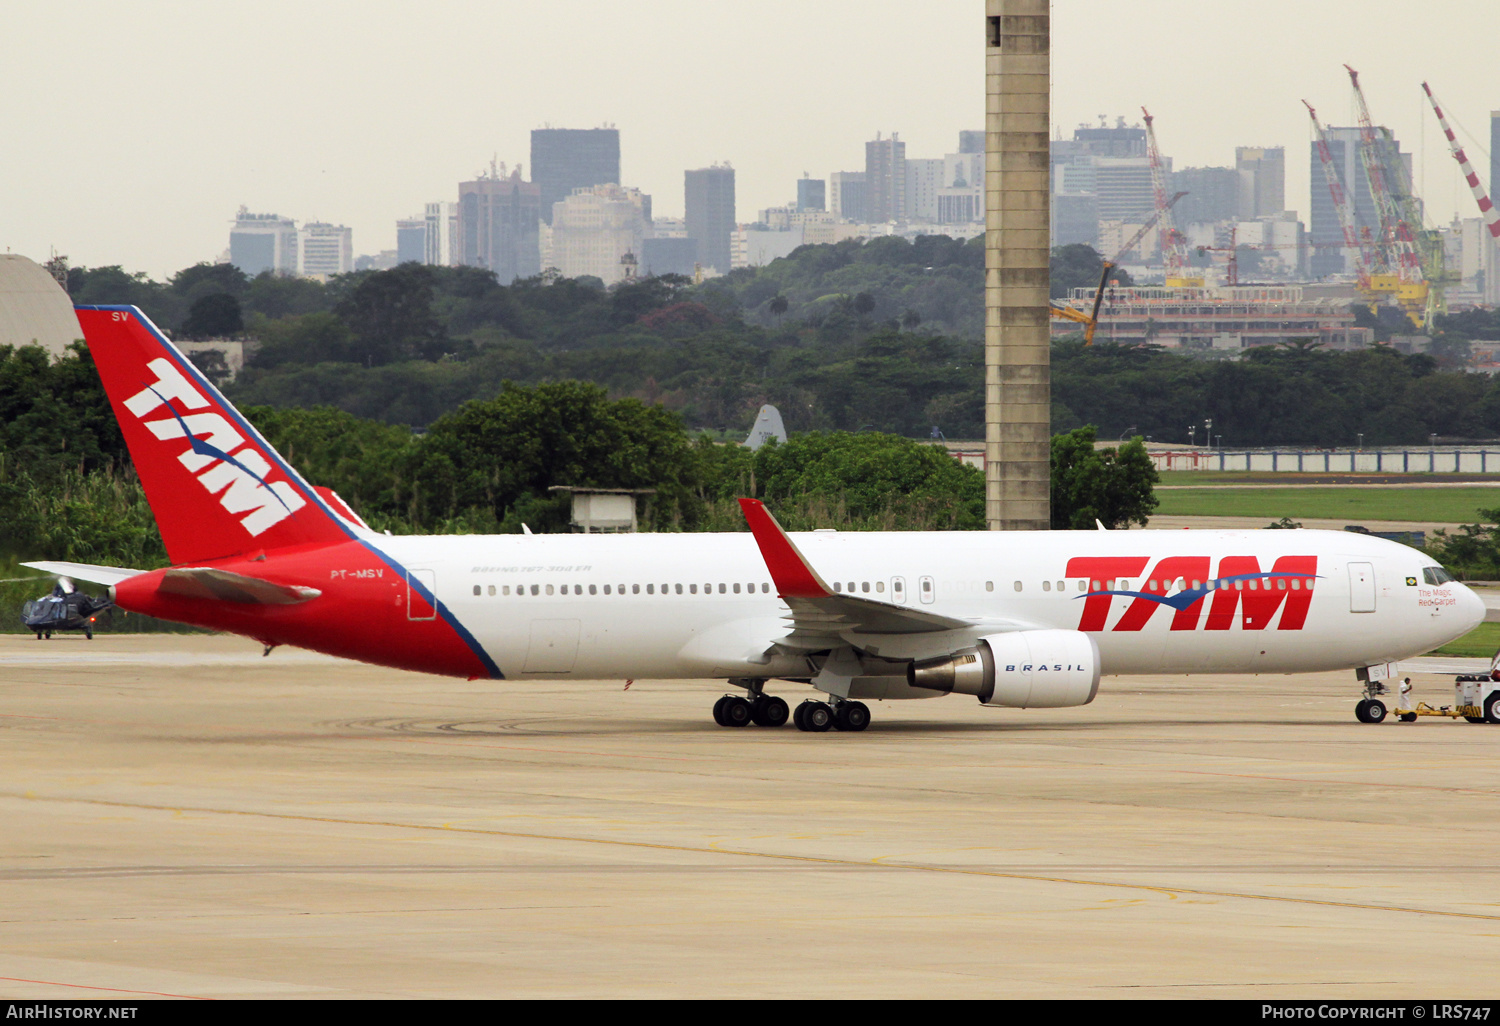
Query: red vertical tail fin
(216, 487)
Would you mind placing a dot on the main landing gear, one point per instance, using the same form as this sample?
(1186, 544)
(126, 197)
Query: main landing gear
(816, 717)
(756, 707)
(765, 710)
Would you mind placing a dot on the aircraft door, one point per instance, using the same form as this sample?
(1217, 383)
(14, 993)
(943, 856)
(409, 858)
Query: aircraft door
(419, 606)
(926, 589)
(898, 590)
(1361, 588)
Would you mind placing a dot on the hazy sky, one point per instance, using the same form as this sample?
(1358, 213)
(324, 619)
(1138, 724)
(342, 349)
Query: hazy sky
(132, 132)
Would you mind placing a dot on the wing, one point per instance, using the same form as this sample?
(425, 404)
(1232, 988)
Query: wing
(821, 616)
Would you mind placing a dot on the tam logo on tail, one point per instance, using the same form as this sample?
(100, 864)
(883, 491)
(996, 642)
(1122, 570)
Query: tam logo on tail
(240, 476)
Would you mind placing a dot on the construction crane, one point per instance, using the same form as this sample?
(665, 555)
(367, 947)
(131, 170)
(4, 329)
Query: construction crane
(1406, 283)
(1173, 244)
(1486, 208)
(1090, 320)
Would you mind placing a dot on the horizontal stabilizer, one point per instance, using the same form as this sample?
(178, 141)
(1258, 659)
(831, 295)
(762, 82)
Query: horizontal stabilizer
(201, 582)
(87, 572)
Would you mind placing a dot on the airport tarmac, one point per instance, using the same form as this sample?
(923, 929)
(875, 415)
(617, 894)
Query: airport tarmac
(183, 818)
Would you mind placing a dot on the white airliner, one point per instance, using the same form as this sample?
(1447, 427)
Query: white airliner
(1017, 620)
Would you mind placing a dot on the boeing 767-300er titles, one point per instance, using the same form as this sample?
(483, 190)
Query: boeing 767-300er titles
(1014, 620)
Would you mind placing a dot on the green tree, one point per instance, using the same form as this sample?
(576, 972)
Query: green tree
(1113, 486)
(216, 315)
(869, 480)
(391, 316)
(494, 455)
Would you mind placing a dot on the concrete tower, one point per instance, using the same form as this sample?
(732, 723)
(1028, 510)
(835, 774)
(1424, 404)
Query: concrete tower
(1017, 372)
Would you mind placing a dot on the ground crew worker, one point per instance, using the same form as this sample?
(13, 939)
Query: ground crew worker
(1403, 703)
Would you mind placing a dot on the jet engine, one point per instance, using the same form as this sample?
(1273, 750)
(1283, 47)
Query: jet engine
(1024, 669)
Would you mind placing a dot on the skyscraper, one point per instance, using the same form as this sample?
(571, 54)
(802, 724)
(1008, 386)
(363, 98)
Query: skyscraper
(710, 213)
(1325, 229)
(811, 194)
(885, 179)
(411, 240)
(1213, 194)
(564, 159)
(442, 227)
(594, 228)
(846, 195)
(324, 249)
(1264, 168)
(498, 226)
(1494, 153)
(263, 242)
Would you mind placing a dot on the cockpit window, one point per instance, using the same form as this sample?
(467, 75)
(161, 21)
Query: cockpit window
(1436, 575)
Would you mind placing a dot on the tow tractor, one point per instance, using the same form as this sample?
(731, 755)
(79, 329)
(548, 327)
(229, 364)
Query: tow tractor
(1476, 698)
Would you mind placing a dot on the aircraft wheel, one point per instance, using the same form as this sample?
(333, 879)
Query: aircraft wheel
(736, 712)
(87, 633)
(852, 716)
(1362, 710)
(770, 711)
(1376, 711)
(39, 635)
(49, 635)
(814, 717)
(719, 710)
(1492, 707)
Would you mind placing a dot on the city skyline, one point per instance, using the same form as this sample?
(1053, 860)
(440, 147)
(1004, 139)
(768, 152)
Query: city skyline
(142, 137)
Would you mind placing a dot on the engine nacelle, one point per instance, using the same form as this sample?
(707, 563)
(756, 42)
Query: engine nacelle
(1024, 669)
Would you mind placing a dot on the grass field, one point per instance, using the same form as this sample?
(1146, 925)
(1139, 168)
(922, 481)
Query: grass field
(1483, 640)
(1351, 503)
(1229, 478)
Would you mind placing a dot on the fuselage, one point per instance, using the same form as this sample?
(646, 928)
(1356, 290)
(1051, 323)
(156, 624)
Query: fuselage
(704, 605)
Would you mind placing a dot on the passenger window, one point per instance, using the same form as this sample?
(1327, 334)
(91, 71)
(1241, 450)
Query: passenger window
(1046, 585)
(549, 589)
(880, 586)
(593, 589)
(679, 588)
(476, 589)
(492, 589)
(635, 589)
(736, 587)
(864, 586)
(1018, 585)
(838, 586)
(765, 588)
(989, 585)
(722, 589)
(692, 589)
(505, 590)
(606, 589)
(650, 589)
(1281, 584)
